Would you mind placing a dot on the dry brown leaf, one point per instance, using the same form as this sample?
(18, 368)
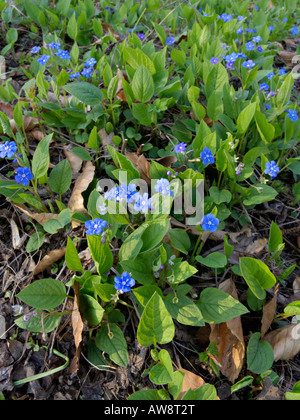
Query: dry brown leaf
(41, 218)
(17, 241)
(285, 341)
(74, 160)
(296, 288)
(77, 325)
(269, 311)
(257, 246)
(229, 339)
(37, 135)
(29, 122)
(120, 90)
(106, 139)
(287, 57)
(190, 381)
(76, 202)
(49, 259)
(269, 391)
(141, 164)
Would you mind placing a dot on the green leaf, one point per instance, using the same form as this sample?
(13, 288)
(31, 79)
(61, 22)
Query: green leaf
(60, 178)
(275, 238)
(162, 373)
(257, 275)
(35, 242)
(72, 259)
(91, 309)
(182, 271)
(101, 253)
(217, 306)
(45, 294)
(104, 291)
(220, 196)
(136, 58)
(149, 395)
(184, 310)
(85, 92)
(156, 324)
(115, 347)
(260, 354)
(285, 90)
(41, 158)
(292, 309)
(180, 240)
(142, 85)
(206, 392)
(35, 324)
(245, 118)
(216, 79)
(213, 260)
(246, 381)
(72, 28)
(261, 194)
(140, 269)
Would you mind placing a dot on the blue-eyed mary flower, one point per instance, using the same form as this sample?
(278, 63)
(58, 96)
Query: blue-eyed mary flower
(210, 222)
(180, 148)
(124, 283)
(8, 149)
(43, 60)
(272, 169)
(163, 186)
(207, 156)
(23, 176)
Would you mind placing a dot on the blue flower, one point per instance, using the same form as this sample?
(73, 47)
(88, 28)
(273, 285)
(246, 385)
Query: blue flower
(267, 106)
(63, 54)
(23, 176)
(272, 169)
(163, 186)
(124, 283)
(170, 40)
(141, 36)
(264, 86)
(95, 227)
(240, 31)
(260, 49)
(271, 28)
(35, 50)
(250, 46)
(295, 30)
(54, 45)
(207, 156)
(8, 149)
(240, 18)
(225, 17)
(90, 63)
(210, 222)
(74, 75)
(43, 60)
(142, 203)
(284, 20)
(127, 192)
(282, 71)
(214, 60)
(87, 72)
(270, 75)
(293, 115)
(248, 64)
(257, 39)
(180, 148)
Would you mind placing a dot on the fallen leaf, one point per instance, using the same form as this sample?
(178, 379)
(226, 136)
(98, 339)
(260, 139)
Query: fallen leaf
(141, 164)
(120, 90)
(287, 57)
(37, 135)
(269, 391)
(76, 202)
(190, 381)
(106, 139)
(229, 339)
(41, 218)
(49, 259)
(17, 241)
(269, 311)
(257, 246)
(77, 325)
(285, 341)
(74, 160)
(29, 122)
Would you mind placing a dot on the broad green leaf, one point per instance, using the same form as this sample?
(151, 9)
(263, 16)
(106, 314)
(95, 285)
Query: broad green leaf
(72, 28)
(41, 158)
(156, 324)
(115, 346)
(257, 275)
(246, 381)
(140, 269)
(91, 309)
(217, 306)
(101, 253)
(45, 294)
(149, 395)
(292, 308)
(206, 392)
(180, 240)
(245, 118)
(60, 178)
(184, 310)
(275, 238)
(72, 259)
(85, 92)
(136, 58)
(35, 324)
(162, 373)
(285, 90)
(260, 354)
(220, 196)
(260, 194)
(216, 79)
(142, 85)
(213, 260)
(181, 271)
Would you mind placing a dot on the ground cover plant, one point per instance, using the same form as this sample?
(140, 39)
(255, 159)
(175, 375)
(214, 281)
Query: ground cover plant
(150, 195)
